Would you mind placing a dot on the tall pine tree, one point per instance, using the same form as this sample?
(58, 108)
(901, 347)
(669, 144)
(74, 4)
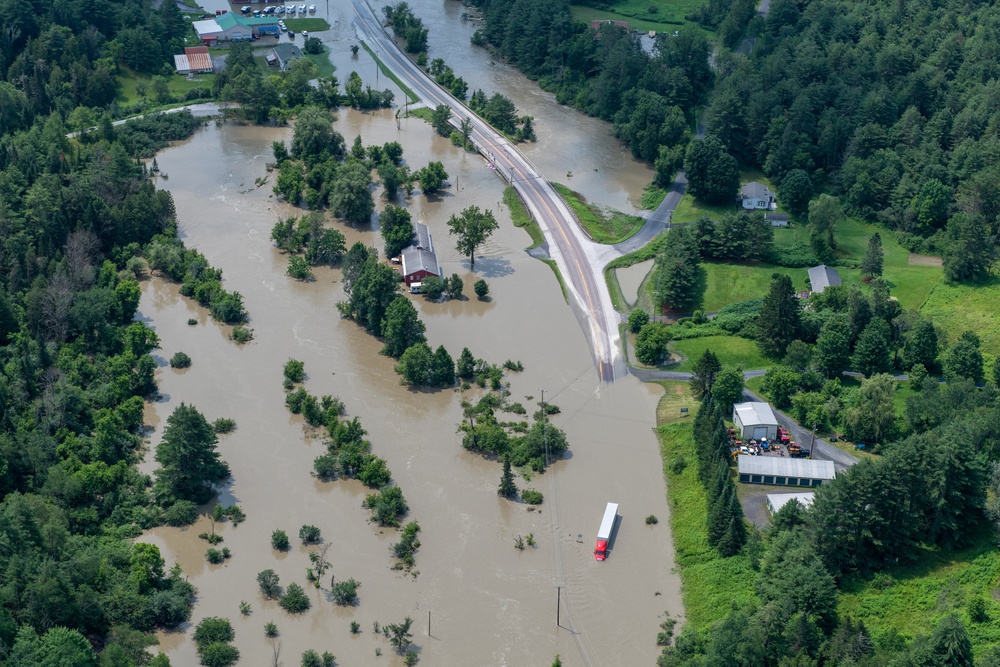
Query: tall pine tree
(779, 321)
(871, 265)
(507, 487)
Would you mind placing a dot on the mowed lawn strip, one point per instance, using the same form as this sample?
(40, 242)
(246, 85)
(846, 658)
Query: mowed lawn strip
(958, 308)
(731, 351)
(710, 584)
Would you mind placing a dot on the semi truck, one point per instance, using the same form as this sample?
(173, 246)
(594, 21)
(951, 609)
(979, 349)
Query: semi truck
(604, 532)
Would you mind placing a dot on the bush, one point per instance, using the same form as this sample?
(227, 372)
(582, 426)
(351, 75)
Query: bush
(192, 322)
(270, 630)
(223, 425)
(637, 319)
(408, 544)
(345, 592)
(432, 286)
(214, 556)
(181, 513)
(295, 600)
(241, 334)
(309, 534)
(213, 630)
(532, 497)
(180, 360)
(678, 464)
(219, 655)
(651, 520)
(279, 540)
(267, 580)
(481, 288)
(295, 370)
(387, 506)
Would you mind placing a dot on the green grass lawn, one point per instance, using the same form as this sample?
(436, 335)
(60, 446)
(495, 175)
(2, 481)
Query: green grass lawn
(958, 308)
(668, 15)
(730, 283)
(910, 599)
(177, 84)
(731, 350)
(311, 25)
(321, 61)
(689, 210)
(603, 225)
(521, 218)
(709, 583)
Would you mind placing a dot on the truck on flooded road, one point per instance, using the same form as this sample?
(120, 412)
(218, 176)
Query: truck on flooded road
(604, 532)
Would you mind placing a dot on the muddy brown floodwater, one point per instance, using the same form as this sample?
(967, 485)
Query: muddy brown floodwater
(490, 603)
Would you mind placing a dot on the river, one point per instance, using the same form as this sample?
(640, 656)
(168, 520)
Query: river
(489, 603)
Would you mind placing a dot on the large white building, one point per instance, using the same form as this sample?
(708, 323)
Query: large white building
(755, 420)
(784, 471)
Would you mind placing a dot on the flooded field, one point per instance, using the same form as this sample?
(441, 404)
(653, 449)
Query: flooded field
(630, 279)
(490, 603)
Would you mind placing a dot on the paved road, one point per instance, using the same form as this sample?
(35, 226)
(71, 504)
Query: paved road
(579, 260)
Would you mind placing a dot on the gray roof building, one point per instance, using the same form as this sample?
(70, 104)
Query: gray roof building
(822, 276)
(782, 471)
(775, 501)
(419, 260)
(756, 196)
(777, 219)
(755, 420)
(284, 54)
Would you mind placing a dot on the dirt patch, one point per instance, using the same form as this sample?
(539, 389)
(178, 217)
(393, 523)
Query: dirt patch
(924, 260)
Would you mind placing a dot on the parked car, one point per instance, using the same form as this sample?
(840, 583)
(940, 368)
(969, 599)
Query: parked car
(312, 9)
(291, 34)
(280, 9)
(302, 9)
(246, 9)
(305, 34)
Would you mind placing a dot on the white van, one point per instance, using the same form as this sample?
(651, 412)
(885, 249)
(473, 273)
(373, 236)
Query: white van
(416, 288)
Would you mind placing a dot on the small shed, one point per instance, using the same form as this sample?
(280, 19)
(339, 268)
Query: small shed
(777, 219)
(755, 420)
(284, 54)
(775, 501)
(757, 196)
(822, 276)
(783, 471)
(419, 260)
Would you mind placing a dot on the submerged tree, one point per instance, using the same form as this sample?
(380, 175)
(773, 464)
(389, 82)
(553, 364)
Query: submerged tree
(507, 487)
(189, 462)
(472, 228)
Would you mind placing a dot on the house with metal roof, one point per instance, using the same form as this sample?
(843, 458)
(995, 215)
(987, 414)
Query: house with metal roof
(775, 501)
(755, 421)
(208, 31)
(784, 471)
(822, 276)
(777, 219)
(419, 260)
(194, 60)
(757, 196)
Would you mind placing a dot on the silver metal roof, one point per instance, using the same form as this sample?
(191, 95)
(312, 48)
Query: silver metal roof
(822, 276)
(781, 466)
(415, 259)
(755, 190)
(423, 238)
(778, 500)
(754, 413)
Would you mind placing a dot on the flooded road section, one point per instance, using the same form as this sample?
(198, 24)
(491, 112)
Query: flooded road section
(572, 148)
(490, 603)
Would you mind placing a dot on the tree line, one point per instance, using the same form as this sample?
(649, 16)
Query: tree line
(897, 122)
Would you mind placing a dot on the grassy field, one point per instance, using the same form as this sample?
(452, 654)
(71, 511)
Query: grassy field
(958, 308)
(603, 225)
(177, 84)
(310, 25)
(731, 351)
(709, 583)
(652, 196)
(729, 283)
(521, 218)
(910, 599)
(667, 15)
(321, 61)
(689, 210)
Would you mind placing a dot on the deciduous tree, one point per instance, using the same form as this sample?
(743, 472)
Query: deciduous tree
(712, 173)
(472, 227)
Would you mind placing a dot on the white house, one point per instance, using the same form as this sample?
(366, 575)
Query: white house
(757, 197)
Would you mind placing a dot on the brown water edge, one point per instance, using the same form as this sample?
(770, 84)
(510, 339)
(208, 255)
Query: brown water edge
(568, 141)
(491, 604)
(630, 279)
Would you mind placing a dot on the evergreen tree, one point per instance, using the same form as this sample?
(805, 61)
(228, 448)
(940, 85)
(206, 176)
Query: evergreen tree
(507, 487)
(795, 191)
(719, 515)
(949, 644)
(713, 174)
(779, 321)
(442, 368)
(859, 311)
(871, 265)
(401, 327)
(189, 463)
(921, 346)
(466, 366)
(703, 374)
(734, 537)
(677, 271)
(872, 354)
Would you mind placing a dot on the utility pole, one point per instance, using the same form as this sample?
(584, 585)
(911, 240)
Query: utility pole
(558, 603)
(812, 443)
(545, 441)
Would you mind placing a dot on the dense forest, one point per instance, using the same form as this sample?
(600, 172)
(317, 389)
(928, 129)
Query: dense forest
(81, 222)
(890, 104)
